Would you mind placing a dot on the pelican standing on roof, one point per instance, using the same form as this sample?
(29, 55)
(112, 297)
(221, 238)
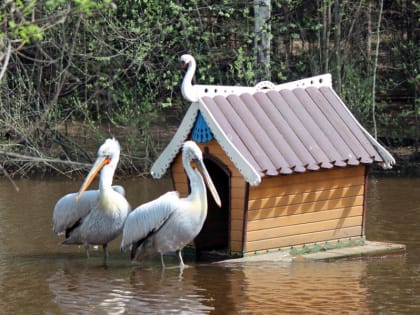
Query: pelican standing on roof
(97, 217)
(169, 222)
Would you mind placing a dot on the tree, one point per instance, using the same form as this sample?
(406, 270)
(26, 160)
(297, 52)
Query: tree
(262, 15)
(378, 40)
(94, 63)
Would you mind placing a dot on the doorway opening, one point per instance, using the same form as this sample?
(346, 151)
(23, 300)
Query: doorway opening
(213, 240)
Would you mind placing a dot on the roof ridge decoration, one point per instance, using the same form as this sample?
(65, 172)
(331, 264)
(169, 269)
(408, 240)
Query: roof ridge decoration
(200, 122)
(193, 93)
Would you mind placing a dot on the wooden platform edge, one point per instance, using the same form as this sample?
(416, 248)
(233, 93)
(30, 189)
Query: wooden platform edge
(369, 248)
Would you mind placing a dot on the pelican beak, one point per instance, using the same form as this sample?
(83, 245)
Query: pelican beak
(97, 166)
(209, 182)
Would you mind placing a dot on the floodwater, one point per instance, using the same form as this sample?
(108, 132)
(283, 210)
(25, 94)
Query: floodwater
(37, 276)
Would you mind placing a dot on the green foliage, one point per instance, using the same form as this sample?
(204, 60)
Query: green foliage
(357, 93)
(25, 32)
(18, 16)
(118, 62)
(242, 67)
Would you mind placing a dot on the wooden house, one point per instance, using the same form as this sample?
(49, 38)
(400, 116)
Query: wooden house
(289, 161)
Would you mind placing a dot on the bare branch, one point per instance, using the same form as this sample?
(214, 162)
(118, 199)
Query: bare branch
(6, 60)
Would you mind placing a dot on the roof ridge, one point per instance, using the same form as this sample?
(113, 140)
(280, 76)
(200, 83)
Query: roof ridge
(201, 90)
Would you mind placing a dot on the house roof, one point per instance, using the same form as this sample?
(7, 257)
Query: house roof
(271, 130)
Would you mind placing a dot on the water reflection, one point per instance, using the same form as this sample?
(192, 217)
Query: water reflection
(84, 290)
(394, 210)
(303, 288)
(39, 277)
(207, 289)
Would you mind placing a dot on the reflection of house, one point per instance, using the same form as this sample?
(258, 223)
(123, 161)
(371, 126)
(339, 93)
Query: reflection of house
(289, 161)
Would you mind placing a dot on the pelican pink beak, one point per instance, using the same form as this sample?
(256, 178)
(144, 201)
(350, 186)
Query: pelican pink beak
(97, 166)
(208, 181)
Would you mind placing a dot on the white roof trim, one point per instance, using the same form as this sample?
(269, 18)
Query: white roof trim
(199, 90)
(316, 81)
(165, 159)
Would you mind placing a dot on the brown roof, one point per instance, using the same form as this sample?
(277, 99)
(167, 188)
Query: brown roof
(287, 131)
(283, 131)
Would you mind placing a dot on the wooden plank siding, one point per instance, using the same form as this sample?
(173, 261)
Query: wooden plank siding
(305, 208)
(300, 239)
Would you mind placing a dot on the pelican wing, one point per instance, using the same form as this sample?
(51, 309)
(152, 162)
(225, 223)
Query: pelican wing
(67, 211)
(148, 218)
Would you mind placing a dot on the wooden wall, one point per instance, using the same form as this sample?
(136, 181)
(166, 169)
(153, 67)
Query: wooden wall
(237, 197)
(288, 210)
(305, 208)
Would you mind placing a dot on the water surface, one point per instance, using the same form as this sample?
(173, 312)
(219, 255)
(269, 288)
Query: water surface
(37, 276)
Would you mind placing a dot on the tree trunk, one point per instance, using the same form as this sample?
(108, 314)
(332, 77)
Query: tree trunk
(326, 22)
(337, 40)
(262, 11)
(369, 34)
(378, 39)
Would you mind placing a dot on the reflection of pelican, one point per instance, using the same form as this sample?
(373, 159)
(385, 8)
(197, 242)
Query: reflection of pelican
(168, 223)
(100, 216)
(82, 289)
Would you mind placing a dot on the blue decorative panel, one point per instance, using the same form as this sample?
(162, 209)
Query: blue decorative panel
(201, 132)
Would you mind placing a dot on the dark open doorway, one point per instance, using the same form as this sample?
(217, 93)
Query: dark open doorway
(214, 236)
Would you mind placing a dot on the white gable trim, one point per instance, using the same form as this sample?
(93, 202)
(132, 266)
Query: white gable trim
(165, 159)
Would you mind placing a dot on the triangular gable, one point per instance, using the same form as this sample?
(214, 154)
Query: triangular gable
(201, 132)
(164, 161)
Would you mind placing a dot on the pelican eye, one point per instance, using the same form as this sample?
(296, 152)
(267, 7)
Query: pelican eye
(195, 162)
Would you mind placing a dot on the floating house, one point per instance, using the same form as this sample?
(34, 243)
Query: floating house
(289, 161)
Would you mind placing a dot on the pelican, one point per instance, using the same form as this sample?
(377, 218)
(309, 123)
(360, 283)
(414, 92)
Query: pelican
(94, 217)
(68, 212)
(169, 222)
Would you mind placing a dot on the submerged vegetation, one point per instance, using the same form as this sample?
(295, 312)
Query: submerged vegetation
(76, 71)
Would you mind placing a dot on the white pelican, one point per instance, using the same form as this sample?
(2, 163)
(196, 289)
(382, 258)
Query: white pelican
(168, 223)
(68, 212)
(100, 216)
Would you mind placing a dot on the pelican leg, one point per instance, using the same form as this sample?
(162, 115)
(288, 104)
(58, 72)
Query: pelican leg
(161, 259)
(87, 250)
(106, 254)
(181, 261)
